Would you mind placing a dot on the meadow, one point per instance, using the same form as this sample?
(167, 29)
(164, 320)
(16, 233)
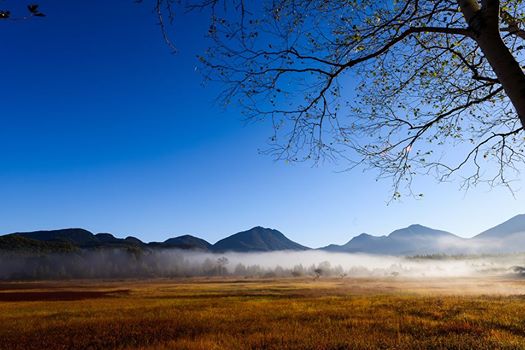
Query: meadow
(288, 313)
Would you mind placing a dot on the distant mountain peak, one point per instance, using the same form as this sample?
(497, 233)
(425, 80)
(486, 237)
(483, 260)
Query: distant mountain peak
(263, 229)
(73, 235)
(187, 242)
(181, 237)
(415, 238)
(133, 239)
(411, 240)
(416, 230)
(257, 238)
(417, 226)
(106, 237)
(514, 225)
(363, 235)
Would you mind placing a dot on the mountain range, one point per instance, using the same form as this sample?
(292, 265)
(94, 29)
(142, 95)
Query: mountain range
(257, 239)
(507, 237)
(413, 240)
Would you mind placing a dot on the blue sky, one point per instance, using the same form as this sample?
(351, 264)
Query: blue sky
(101, 127)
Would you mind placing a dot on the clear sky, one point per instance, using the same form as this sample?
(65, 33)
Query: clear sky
(101, 127)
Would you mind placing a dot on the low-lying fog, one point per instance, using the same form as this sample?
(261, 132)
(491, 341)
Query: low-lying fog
(362, 265)
(317, 264)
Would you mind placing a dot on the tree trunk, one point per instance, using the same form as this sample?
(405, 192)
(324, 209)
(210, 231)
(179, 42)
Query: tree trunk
(507, 70)
(484, 22)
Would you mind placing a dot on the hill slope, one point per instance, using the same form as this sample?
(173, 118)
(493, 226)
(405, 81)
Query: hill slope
(76, 236)
(257, 239)
(508, 237)
(16, 244)
(510, 227)
(411, 240)
(79, 238)
(186, 242)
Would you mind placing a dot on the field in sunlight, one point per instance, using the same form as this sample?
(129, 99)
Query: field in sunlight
(264, 314)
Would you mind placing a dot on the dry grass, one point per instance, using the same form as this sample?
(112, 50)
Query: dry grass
(264, 314)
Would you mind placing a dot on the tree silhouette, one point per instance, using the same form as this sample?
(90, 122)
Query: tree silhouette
(408, 87)
(221, 265)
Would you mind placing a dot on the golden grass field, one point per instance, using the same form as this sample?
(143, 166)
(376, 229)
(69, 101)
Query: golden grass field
(264, 314)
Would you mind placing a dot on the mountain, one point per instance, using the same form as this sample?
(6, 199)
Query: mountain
(257, 239)
(418, 239)
(361, 243)
(17, 244)
(73, 237)
(185, 242)
(76, 236)
(516, 225)
(508, 237)
(419, 231)
(411, 240)
(106, 238)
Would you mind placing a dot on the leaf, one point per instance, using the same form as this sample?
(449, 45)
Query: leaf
(33, 8)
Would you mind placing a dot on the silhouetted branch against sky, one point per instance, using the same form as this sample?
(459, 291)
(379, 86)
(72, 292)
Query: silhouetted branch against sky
(408, 88)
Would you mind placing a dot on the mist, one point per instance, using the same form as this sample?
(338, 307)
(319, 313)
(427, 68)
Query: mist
(323, 263)
(171, 263)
